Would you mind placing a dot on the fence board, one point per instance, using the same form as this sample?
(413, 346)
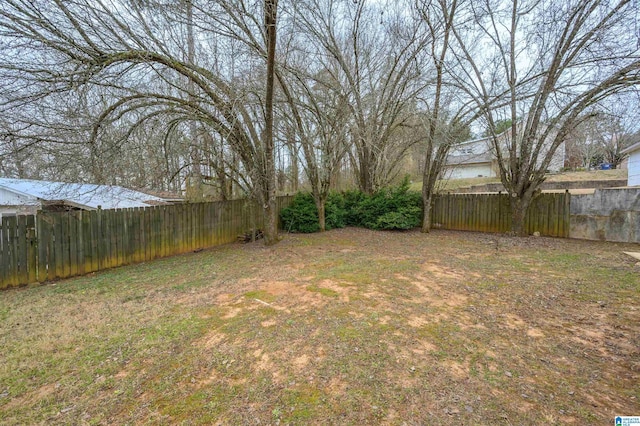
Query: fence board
(113, 237)
(165, 223)
(548, 214)
(58, 245)
(119, 222)
(73, 244)
(125, 250)
(32, 250)
(7, 271)
(21, 254)
(51, 260)
(84, 243)
(5, 260)
(104, 241)
(144, 235)
(132, 230)
(139, 251)
(87, 242)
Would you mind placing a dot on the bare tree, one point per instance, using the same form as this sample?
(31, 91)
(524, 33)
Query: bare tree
(580, 148)
(321, 115)
(270, 207)
(133, 59)
(372, 49)
(614, 127)
(542, 65)
(195, 180)
(448, 113)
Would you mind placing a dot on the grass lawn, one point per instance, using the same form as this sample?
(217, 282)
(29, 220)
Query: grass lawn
(451, 184)
(346, 327)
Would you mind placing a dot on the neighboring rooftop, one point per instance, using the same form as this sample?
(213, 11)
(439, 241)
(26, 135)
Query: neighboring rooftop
(85, 196)
(632, 148)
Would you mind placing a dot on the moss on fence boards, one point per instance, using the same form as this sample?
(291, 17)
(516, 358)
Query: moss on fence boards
(60, 245)
(64, 244)
(548, 213)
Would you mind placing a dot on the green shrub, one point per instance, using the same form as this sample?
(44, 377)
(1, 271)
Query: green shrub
(335, 213)
(352, 200)
(301, 215)
(404, 218)
(389, 208)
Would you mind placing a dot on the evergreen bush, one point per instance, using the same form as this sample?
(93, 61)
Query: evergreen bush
(334, 211)
(390, 208)
(301, 215)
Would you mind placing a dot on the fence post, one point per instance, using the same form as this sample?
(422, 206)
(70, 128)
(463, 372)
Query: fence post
(6, 270)
(566, 214)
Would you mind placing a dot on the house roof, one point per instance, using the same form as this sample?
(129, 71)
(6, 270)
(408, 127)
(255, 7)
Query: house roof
(485, 139)
(632, 148)
(86, 196)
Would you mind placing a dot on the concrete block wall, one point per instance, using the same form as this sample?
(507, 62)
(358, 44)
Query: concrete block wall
(606, 215)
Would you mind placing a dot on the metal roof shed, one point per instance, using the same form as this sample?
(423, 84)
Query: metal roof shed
(25, 195)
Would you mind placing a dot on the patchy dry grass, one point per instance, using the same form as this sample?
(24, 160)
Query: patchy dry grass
(451, 184)
(589, 175)
(347, 327)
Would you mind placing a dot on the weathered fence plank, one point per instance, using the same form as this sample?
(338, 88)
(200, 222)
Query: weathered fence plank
(5, 259)
(63, 244)
(547, 215)
(32, 250)
(73, 244)
(21, 245)
(59, 245)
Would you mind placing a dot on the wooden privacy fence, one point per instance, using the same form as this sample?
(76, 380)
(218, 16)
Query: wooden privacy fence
(548, 213)
(60, 245)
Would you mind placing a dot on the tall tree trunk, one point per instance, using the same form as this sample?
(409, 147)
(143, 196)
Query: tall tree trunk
(221, 174)
(426, 208)
(295, 171)
(321, 206)
(194, 151)
(270, 206)
(519, 207)
(271, 221)
(365, 163)
(428, 184)
(231, 182)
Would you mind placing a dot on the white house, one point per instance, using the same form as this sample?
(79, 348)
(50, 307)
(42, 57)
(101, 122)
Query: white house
(24, 196)
(476, 158)
(633, 164)
(471, 159)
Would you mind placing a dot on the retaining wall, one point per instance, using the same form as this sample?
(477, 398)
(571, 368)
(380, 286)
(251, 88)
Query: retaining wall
(606, 215)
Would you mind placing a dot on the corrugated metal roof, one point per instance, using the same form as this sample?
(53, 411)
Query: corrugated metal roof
(88, 196)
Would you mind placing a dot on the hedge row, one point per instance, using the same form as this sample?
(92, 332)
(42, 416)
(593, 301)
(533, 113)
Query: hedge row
(391, 208)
